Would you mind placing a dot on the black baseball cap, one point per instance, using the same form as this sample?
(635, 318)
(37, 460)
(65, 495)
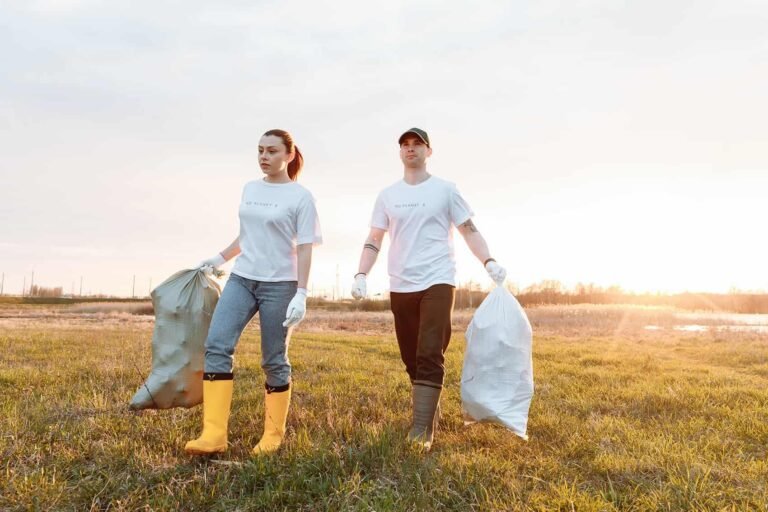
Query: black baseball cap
(417, 132)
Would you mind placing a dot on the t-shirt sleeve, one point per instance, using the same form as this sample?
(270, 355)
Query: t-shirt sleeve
(460, 209)
(379, 219)
(308, 222)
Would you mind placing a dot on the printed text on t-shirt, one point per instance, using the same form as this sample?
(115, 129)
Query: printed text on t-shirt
(258, 203)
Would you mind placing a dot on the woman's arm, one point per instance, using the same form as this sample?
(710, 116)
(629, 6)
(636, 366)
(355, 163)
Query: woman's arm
(304, 262)
(222, 257)
(232, 250)
(297, 308)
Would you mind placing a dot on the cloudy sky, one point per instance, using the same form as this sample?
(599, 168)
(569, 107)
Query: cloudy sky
(598, 141)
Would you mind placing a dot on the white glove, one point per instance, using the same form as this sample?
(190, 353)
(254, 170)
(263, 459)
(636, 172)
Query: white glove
(297, 308)
(214, 262)
(496, 272)
(359, 289)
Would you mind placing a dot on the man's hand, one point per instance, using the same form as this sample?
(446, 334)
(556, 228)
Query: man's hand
(297, 308)
(496, 272)
(360, 288)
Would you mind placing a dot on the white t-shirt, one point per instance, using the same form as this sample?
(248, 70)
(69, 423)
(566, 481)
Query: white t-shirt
(274, 219)
(420, 220)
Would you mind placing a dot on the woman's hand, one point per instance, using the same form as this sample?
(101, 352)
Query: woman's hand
(215, 262)
(297, 308)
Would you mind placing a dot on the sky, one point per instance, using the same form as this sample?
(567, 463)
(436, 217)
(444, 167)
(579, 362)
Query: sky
(597, 141)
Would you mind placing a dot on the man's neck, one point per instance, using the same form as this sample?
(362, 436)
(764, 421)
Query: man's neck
(415, 176)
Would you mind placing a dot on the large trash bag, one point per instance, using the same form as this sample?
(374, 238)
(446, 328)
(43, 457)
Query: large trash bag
(497, 377)
(184, 304)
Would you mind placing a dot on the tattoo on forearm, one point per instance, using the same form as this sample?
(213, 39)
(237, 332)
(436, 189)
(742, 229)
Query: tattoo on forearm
(470, 226)
(371, 247)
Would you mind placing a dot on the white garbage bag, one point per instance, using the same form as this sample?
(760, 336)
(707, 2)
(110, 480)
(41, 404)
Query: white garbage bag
(184, 304)
(497, 377)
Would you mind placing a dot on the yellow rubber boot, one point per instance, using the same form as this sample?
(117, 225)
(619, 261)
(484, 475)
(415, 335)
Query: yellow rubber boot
(275, 413)
(217, 398)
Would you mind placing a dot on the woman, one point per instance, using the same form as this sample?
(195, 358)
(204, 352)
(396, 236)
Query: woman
(278, 226)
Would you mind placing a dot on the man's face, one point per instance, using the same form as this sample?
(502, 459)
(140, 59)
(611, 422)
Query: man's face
(413, 151)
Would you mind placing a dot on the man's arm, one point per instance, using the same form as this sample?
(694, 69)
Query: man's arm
(370, 250)
(475, 241)
(477, 244)
(367, 259)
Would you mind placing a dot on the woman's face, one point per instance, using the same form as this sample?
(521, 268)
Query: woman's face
(273, 155)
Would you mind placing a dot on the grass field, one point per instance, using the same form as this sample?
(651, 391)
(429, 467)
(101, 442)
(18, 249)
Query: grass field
(624, 418)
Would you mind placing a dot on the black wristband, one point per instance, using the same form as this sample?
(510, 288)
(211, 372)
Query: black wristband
(486, 261)
(360, 273)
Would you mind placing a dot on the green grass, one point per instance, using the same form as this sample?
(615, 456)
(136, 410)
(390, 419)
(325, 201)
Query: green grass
(634, 422)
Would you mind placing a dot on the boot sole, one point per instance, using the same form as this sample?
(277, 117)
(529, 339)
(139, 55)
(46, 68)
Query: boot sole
(196, 451)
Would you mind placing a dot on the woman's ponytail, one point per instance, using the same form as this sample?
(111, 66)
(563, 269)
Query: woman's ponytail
(294, 167)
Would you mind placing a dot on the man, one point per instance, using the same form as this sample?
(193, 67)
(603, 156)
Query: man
(419, 212)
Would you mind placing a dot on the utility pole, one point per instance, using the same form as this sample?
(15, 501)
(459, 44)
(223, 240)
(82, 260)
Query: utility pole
(2, 284)
(32, 284)
(133, 287)
(81, 286)
(149, 289)
(337, 291)
(24, 287)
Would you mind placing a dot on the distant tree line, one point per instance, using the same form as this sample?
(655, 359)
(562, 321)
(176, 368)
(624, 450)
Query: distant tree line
(541, 293)
(553, 292)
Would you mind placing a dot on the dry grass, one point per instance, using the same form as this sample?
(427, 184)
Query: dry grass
(623, 419)
(579, 320)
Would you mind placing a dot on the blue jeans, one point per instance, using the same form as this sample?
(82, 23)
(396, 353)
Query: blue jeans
(241, 299)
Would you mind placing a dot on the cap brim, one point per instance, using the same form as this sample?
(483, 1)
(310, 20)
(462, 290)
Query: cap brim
(400, 140)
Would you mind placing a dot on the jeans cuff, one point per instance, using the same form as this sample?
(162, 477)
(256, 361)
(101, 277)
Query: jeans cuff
(217, 376)
(277, 389)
